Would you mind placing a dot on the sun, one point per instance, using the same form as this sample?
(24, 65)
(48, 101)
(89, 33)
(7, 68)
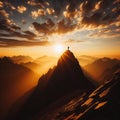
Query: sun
(58, 48)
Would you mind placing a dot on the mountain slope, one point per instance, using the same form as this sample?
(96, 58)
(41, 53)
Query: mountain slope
(58, 82)
(101, 104)
(15, 80)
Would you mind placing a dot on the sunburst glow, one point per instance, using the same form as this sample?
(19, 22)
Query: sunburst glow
(58, 48)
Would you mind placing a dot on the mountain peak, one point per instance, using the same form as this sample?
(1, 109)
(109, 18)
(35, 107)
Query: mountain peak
(67, 57)
(65, 78)
(6, 60)
(68, 53)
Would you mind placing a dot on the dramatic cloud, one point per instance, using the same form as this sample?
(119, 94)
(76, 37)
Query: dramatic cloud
(104, 14)
(64, 27)
(45, 28)
(39, 12)
(8, 26)
(50, 11)
(1, 4)
(9, 29)
(16, 43)
(68, 13)
(38, 3)
(43, 18)
(21, 9)
(97, 5)
(32, 3)
(78, 14)
(50, 27)
(4, 13)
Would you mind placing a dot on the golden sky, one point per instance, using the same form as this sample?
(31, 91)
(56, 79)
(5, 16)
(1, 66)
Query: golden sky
(35, 27)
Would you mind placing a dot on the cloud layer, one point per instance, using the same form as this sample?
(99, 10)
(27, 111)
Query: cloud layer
(34, 20)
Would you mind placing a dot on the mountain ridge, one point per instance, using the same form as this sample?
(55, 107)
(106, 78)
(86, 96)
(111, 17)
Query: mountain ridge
(63, 79)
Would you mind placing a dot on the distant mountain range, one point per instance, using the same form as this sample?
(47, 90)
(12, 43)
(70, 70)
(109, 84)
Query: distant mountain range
(39, 65)
(21, 59)
(85, 59)
(45, 62)
(103, 68)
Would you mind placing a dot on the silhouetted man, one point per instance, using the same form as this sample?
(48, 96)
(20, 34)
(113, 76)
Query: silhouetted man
(68, 47)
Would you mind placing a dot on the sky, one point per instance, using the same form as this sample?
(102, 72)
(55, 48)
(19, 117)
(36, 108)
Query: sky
(35, 27)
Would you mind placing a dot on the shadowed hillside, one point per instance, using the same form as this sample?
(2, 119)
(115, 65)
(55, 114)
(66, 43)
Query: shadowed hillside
(101, 104)
(15, 80)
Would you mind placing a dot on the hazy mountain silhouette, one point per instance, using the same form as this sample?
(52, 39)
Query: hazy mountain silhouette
(21, 59)
(39, 65)
(15, 80)
(101, 104)
(62, 80)
(33, 66)
(102, 68)
(85, 59)
(45, 59)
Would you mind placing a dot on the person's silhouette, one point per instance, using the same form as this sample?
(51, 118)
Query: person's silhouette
(68, 47)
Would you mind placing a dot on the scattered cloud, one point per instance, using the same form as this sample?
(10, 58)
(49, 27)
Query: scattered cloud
(32, 3)
(106, 33)
(73, 41)
(36, 14)
(50, 11)
(70, 14)
(1, 4)
(35, 3)
(21, 9)
(4, 13)
(48, 17)
(45, 28)
(97, 5)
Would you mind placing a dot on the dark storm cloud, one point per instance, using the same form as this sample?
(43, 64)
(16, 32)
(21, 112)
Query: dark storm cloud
(17, 43)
